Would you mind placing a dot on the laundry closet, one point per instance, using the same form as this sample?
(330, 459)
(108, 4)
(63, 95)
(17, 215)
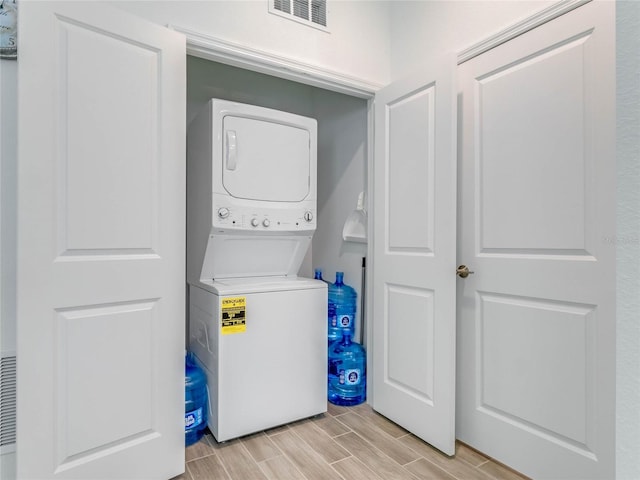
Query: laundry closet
(251, 215)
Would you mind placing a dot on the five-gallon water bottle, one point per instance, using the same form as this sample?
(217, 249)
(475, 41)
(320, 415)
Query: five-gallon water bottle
(331, 308)
(317, 275)
(343, 298)
(195, 401)
(347, 382)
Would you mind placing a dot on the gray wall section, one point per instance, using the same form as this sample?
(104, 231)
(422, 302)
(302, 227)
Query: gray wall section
(8, 192)
(8, 227)
(628, 240)
(342, 151)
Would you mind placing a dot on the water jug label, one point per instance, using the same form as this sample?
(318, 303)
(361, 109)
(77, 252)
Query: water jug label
(193, 418)
(345, 321)
(350, 377)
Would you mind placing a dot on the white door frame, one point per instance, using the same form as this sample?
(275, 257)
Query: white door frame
(221, 51)
(543, 16)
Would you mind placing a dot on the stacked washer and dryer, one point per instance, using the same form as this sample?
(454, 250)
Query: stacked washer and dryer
(258, 330)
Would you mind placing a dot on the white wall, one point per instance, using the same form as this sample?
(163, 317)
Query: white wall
(357, 44)
(628, 240)
(342, 140)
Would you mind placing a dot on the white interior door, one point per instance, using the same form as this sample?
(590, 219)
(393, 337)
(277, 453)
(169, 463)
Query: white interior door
(414, 209)
(101, 244)
(536, 345)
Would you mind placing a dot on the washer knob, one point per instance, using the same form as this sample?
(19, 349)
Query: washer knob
(266, 222)
(308, 216)
(223, 212)
(254, 222)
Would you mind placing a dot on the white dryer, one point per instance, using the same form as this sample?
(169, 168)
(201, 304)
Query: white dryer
(257, 329)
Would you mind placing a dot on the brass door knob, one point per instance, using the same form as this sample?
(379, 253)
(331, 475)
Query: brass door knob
(463, 271)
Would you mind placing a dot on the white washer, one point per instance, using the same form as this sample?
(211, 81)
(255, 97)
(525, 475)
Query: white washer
(269, 368)
(258, 330)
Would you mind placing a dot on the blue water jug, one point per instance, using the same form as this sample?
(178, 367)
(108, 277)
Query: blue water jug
(343, 299)
(195, 401)
(347, 381)
(317, 275)
(331, 308)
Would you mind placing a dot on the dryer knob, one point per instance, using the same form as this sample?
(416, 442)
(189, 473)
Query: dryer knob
(223, 212)
(308, 216)
(254, 222)
(266, 222)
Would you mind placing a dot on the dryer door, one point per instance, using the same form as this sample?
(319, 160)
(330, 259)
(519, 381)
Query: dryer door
(265, 160)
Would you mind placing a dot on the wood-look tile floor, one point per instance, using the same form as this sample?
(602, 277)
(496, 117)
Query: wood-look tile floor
(350, 443)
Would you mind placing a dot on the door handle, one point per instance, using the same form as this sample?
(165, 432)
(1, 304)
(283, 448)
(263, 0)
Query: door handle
(463, 271)
(232, 150)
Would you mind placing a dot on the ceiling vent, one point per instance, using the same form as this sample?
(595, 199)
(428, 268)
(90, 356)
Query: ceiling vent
(309, 12)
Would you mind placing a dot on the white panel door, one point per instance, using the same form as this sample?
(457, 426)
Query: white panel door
(101, 244)
(413, 277)
(536, 345)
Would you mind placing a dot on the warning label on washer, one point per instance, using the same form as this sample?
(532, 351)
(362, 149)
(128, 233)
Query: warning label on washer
(234, 313)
